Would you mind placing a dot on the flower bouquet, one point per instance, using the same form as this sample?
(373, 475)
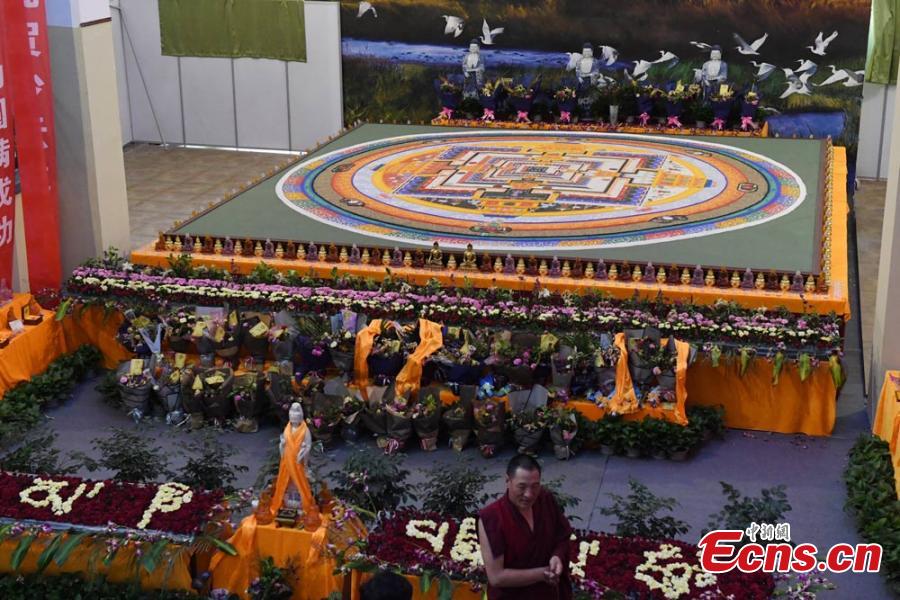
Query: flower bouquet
(135, 384)
(521, 98)
(675, 106)
(282, 340)
(459, 359)
(606, 357)
(325, 417)
(192, 397)
(566, 102)
(645, 105)
(388, 353)
(168, 390)
(255, 335)
(280, 391)
(373, 416)
(459, 419)
(179, 329)
(749, 107)
(489, 412)
(488, 95)
(575, 358)
(314, 343)
(426, 417)
(515, 357)
(398, 411)
(449, 94)
(563, 425)
(226, 335)
(527, 418)
(130, 336)
(216, 385)
(244, 396)
(722, 102)
(342, 345)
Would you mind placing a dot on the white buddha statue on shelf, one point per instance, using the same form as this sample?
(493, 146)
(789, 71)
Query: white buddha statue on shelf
(713, 73)
(587, 67)
(292, 489)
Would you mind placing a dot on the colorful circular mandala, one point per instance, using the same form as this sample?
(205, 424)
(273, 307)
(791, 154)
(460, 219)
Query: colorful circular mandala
(540, 190)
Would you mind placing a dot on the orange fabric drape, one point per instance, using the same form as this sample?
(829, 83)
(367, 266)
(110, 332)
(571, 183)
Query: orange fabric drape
(364, 341)
(752, 402)
(887, 421)
(121, 569)
(625, 400)
(290, 471)
(431, 340)
(31, 352)
(97, 327)
(235, 573)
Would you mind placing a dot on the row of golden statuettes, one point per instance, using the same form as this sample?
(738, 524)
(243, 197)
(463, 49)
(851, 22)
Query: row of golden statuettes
(434, 259)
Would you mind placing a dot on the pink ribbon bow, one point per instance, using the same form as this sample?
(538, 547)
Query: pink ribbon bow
(673, 122)
(718, 123)
(488, 115)
(446, 113)
(522, 117)
(392, 446)
(645, 118)
(748, 122)
(565, 116)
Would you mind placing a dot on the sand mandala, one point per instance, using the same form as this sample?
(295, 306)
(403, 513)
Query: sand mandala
(540, 190)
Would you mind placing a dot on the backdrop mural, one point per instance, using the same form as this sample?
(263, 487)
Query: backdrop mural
(409, 60)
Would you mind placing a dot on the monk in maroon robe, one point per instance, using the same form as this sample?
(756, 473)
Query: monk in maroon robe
(524, 539)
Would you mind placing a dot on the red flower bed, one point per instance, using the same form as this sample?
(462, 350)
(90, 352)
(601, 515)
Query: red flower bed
(614, 567)
(121, 503)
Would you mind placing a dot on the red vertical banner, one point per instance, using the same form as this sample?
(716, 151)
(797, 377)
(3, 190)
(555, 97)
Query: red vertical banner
(28, 77)
(7, 173)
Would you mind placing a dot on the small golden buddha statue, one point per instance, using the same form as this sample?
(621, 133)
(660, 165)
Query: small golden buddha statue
(435, 257)
(323, 253)
(451, 263)
(685, 276)
(366, 257)
(520, 267)
(810, 285)
(735, 280)
(636, 274)
(661, 276)
(407, 259)
(217, 247)
(760, 282)
(543, 269)
(470, 259)
(589, 271)
(613, 273)
(785, 283)
(710, 279)
(279, 251)
(566, 269)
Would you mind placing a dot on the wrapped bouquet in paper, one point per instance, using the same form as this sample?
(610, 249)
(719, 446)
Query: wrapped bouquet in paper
(388, 353)
(246, 397)
(426, 417)
(527, 418)
(314, 344)
(281, 340)
(749, 108)
(373, 415)
(216, 393)
(169, 386)
(398, 422)
(566, 103)
(180, 329)
(345, 325)
(280, 390)
(449, 94)
(563, 425)
(515, 356)
(721, 102)
(226, 333)
(325, 417)
(458, 418)
(255, 334)
(192, 397)
(490, 415)
(606, 358)
(488, 96)
(135, 385)
(460, 358)
(521, 98)
(129, 334)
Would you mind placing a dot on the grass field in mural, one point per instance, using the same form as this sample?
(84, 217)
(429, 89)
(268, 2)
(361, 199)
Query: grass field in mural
(391, 60)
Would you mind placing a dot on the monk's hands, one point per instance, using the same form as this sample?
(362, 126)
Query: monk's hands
(554, 570)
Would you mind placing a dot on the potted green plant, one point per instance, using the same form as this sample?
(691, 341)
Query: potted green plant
(632, 438)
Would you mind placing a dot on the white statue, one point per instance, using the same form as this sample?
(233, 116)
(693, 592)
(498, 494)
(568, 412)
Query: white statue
(713, 73)
(586, 69)
(473, 70)
(292, 489)
(295, 417)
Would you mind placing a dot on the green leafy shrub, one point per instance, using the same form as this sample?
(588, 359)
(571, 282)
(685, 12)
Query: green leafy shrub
(740, 511)
(456, 490)
(37, 455)
(637, 514)
(373, 482)
(872, 500)
(273, 583)
(130, 456)
(72, 587)
(566, 502)
(207, 466)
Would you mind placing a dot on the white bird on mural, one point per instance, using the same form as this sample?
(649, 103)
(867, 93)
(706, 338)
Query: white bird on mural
(487, 34)
(666, 57)
(608, 55)
(820, 44)
(764, 70)
(574, 59)
(454, 25)
(640, 69)
(749, 49)
(806, 66)
(854, 78)
(837, 75)
(701, 45)
(796, 84)
(365, 7)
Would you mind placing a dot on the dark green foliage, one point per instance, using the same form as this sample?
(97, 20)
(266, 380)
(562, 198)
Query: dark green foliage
(739, 511)
(38, 456)
(109, 389)
(872, 500)
(373, 482)
(456, 490)
(207, 466)
(181, 266)
(637, 514)
(263, 273)
(20, 408)
(72, 587)
(130, 456)
(566, 502)
(273, 582)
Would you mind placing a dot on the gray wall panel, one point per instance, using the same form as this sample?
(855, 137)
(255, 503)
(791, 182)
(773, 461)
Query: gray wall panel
(121, 77)
(208, 95)
(261, 97)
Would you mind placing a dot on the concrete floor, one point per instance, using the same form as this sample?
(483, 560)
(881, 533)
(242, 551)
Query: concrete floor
(165, 185)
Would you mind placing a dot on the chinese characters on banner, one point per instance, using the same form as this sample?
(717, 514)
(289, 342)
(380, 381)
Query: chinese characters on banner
(29, 108)
(7, 174)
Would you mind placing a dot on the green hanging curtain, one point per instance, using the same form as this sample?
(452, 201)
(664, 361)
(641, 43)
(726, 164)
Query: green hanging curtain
(233, 28)
(884, 42)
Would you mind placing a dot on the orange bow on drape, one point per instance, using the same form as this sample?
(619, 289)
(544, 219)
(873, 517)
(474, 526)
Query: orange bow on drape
(431, 340)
